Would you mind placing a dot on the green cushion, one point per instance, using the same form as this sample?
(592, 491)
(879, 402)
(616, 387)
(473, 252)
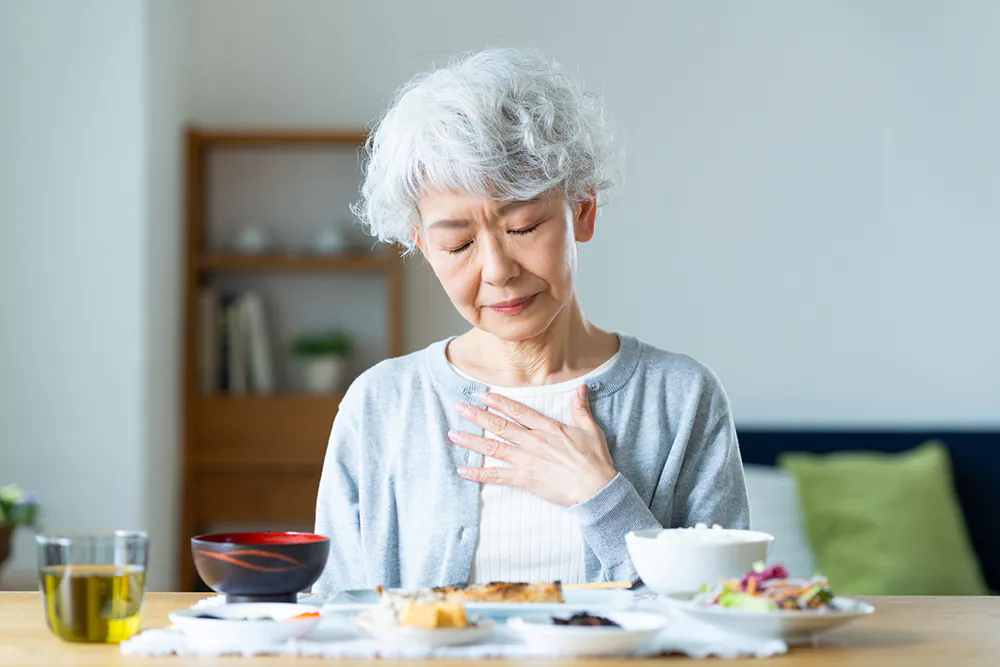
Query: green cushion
(887, 524)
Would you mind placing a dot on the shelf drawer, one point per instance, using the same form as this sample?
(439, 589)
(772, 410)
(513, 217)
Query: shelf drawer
(259, 496)
(278, 430)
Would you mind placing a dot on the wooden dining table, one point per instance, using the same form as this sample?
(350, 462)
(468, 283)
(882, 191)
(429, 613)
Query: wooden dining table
(912, 631)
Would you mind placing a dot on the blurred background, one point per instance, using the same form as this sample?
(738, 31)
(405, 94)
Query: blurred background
(811, 208)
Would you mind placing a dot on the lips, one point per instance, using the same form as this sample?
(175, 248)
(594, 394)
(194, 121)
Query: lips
(512, 303)
(513, 306)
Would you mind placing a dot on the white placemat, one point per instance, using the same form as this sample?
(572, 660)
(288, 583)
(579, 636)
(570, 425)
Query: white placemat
(335, 638)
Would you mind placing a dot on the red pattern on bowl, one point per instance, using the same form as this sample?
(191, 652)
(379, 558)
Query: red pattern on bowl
(260, 566)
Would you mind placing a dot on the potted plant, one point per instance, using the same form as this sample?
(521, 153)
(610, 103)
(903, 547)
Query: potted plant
(324, 356)
(16, 509)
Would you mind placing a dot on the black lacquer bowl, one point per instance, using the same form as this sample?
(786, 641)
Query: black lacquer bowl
(261, 566)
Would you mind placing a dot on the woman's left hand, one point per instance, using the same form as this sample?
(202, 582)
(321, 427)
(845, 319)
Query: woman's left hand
(559, 463)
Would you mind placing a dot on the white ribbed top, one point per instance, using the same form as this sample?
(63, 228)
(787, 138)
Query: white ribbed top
(523, 538)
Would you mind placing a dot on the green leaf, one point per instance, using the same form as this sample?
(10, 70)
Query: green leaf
(323, 344)
(746, 601)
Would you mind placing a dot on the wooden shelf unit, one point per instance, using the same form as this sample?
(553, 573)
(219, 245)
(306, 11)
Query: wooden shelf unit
(353, 263)
(257, 458)
(316, 138)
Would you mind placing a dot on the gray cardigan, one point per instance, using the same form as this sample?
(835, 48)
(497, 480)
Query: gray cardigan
(397, 513)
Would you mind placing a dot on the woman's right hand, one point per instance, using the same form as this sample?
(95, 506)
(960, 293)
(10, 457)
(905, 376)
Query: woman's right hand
(563, 464)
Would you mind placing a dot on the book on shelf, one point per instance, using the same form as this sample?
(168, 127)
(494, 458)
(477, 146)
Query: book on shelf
(234, 348)
(258, 344)
(236, 329)
(208, 328)
(224, 340)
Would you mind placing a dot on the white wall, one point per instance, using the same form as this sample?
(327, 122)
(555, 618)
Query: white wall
(72, 203)
(810, 205)
(166, 28)
(89, 266)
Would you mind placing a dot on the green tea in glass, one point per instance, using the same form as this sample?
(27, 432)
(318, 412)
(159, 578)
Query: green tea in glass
(92, 584)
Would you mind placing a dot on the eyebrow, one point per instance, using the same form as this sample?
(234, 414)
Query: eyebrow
(504, 210)
(448, 224)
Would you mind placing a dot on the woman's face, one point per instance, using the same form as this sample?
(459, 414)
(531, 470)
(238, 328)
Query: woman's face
(508, 267)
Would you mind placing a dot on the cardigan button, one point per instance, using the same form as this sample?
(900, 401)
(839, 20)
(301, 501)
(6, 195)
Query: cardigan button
(593, 386)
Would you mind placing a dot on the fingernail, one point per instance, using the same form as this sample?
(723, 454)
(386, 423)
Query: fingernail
(464, 472)
(487, 397)
(455, 436)
(464, 408)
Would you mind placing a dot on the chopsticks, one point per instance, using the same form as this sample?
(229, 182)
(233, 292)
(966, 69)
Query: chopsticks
(599, 585)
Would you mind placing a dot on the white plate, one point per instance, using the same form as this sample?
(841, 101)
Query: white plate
(235, 630)
(351, 601)
(595, 601)
(794, 627)
(399, 635)
(637, 628)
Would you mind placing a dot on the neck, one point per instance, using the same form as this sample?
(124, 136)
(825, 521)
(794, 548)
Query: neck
(569, 348)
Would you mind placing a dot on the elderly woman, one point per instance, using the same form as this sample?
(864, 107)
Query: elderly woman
(525, 449)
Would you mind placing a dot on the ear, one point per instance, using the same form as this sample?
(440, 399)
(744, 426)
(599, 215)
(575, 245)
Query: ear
(585, 217)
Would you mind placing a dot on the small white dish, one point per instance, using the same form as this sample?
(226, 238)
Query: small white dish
(250, 240)
(402, 636)
(315, 599)
(637, 628)
(596, 601)
(794, 627)
(237, 626)
(680, 560)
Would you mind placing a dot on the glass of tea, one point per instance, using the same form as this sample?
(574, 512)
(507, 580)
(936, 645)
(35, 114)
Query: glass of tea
(92, 584)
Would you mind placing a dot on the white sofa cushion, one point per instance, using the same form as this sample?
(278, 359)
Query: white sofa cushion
(775, 508)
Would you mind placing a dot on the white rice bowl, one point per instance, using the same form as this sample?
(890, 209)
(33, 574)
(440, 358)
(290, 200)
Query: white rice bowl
(680, 560)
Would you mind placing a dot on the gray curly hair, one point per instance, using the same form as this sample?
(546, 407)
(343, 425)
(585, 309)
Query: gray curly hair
(502, 123)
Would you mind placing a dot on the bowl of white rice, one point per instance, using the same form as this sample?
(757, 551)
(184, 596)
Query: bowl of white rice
(675, 561)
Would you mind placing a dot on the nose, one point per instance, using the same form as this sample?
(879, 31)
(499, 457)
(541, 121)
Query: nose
(498, 267)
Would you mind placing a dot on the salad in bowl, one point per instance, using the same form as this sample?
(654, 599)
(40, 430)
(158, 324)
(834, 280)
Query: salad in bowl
(769, 589)
(768, 603)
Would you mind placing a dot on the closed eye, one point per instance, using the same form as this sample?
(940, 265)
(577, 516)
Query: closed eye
(516, 232)
(521, 232)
